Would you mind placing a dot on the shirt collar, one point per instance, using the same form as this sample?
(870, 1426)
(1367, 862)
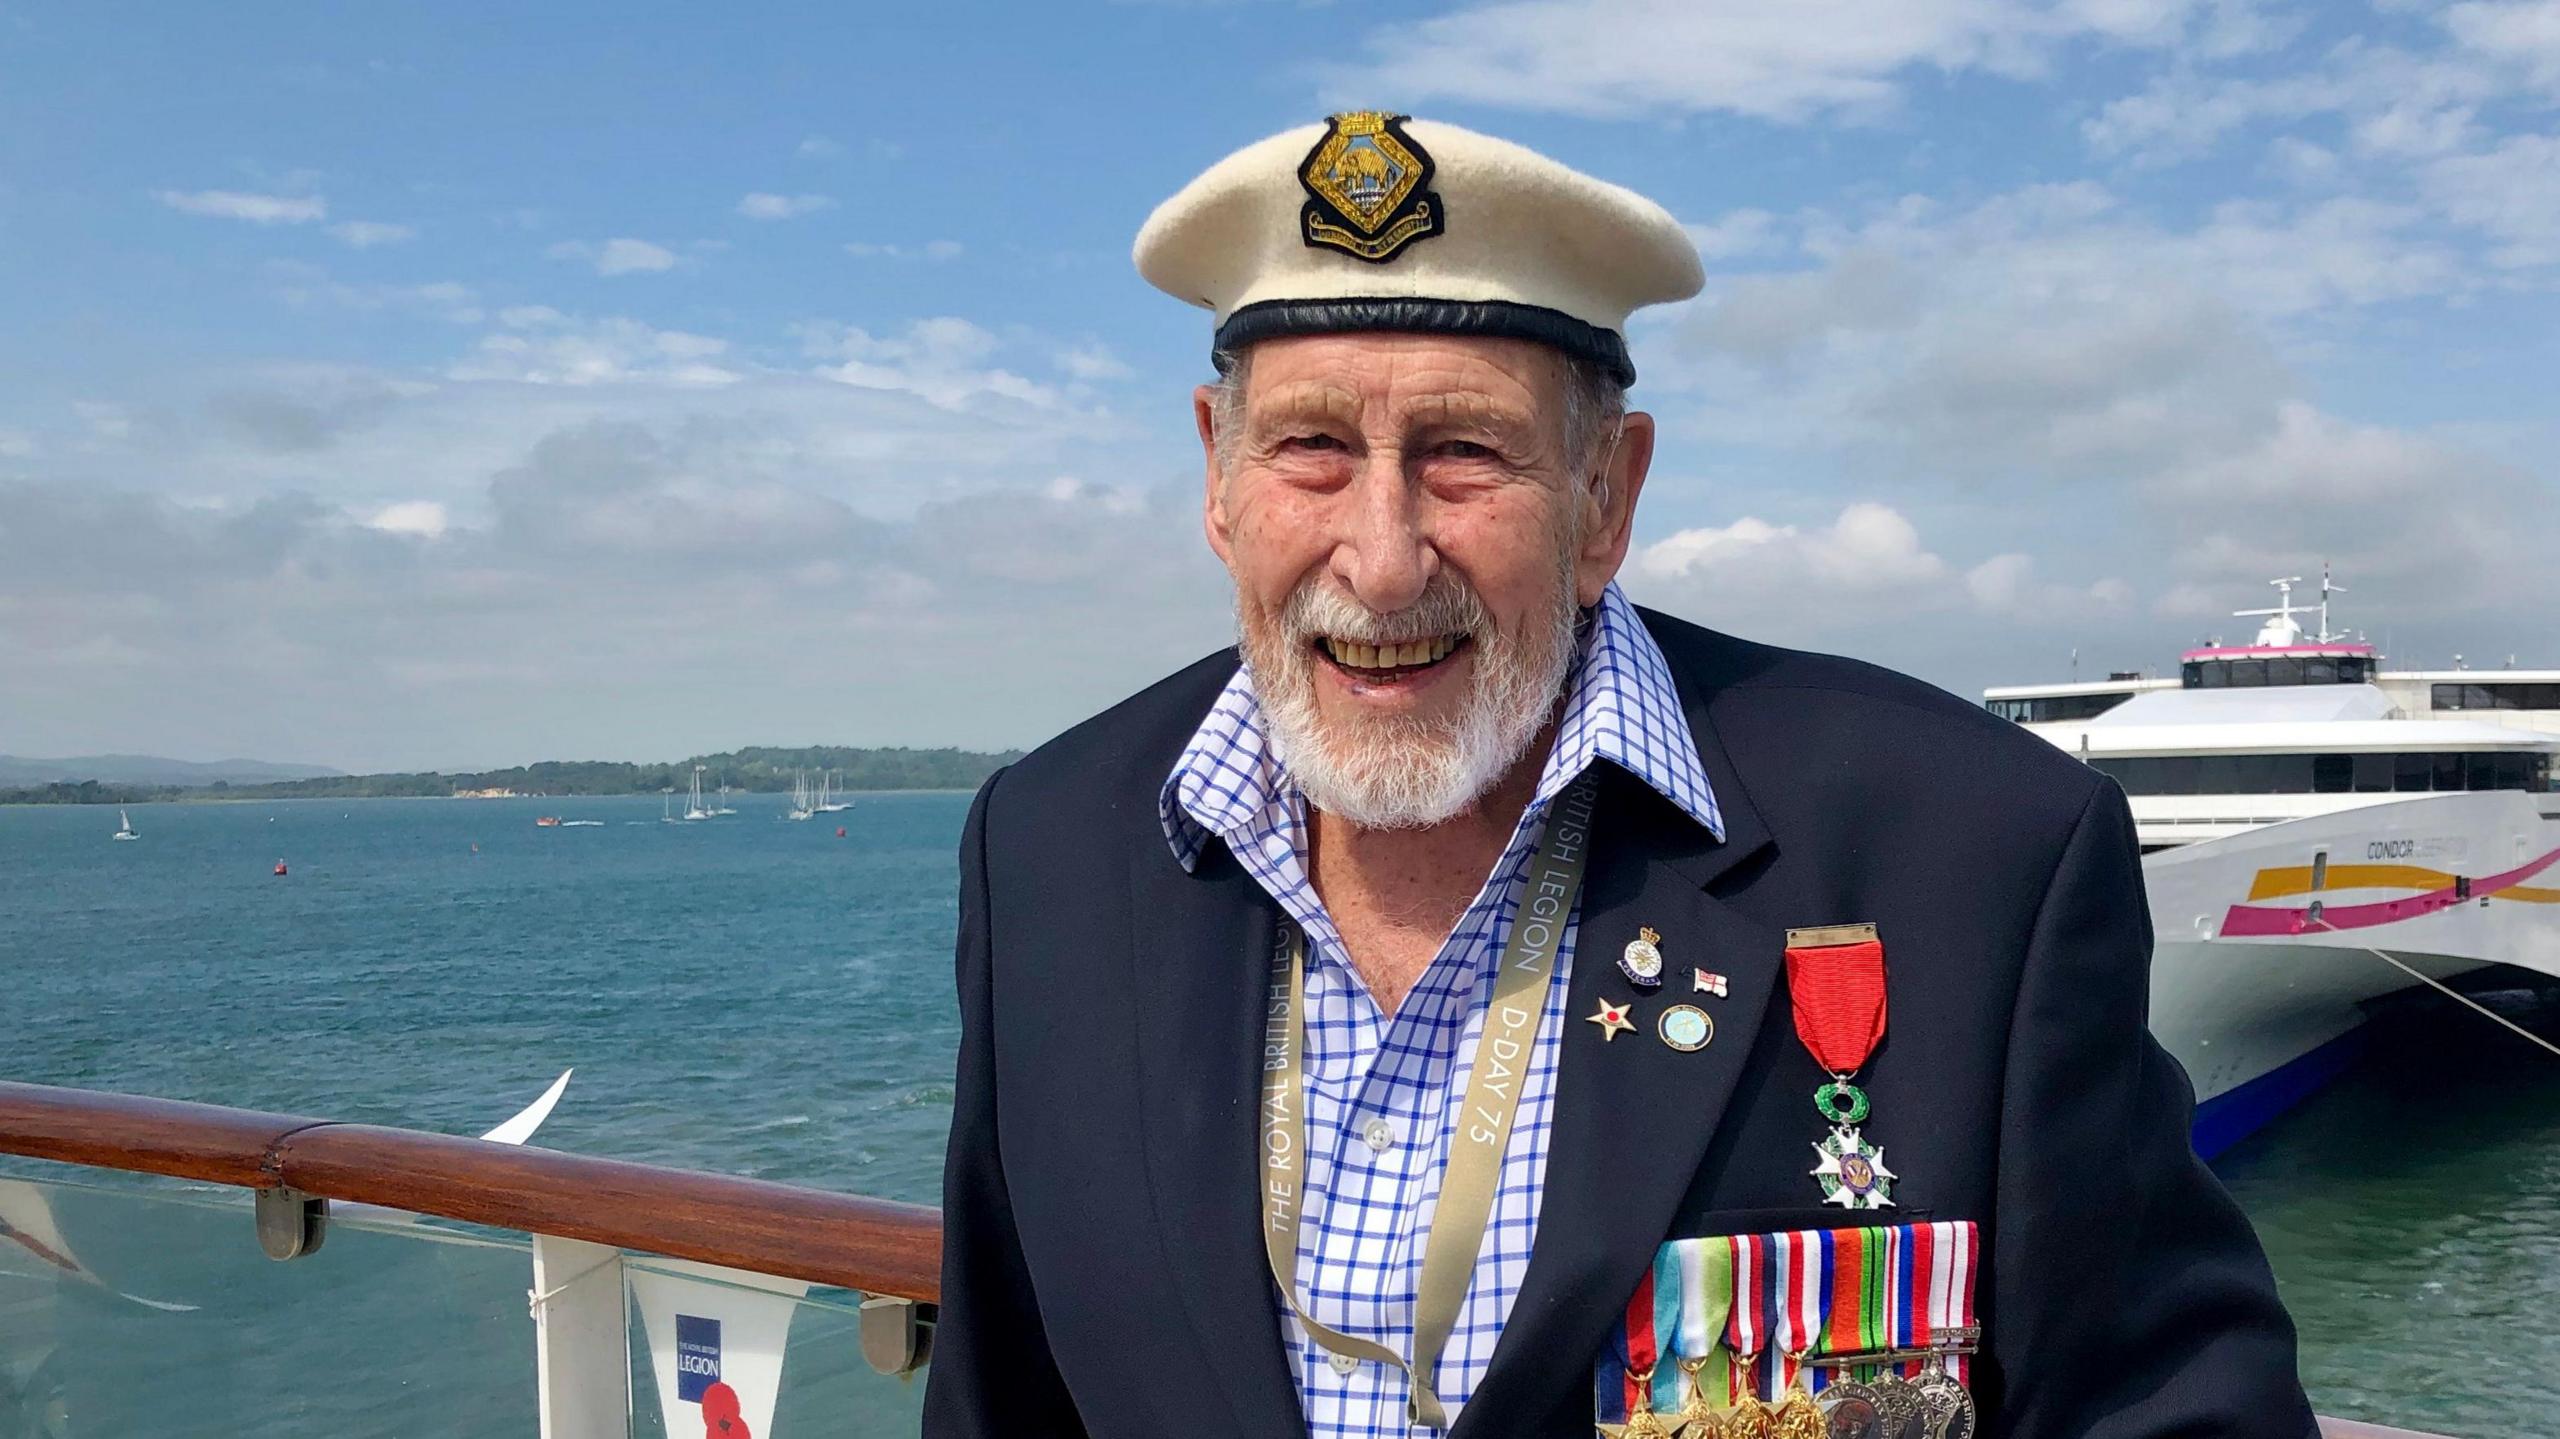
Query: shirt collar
(1620, 706)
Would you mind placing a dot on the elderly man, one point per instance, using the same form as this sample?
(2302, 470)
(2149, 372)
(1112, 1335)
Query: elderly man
(1477, 1004)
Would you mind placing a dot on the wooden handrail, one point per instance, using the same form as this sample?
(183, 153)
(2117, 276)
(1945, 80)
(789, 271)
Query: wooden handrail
(871, 1245)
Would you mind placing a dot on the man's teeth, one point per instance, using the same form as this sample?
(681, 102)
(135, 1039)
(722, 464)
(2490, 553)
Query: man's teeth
(1387, 657)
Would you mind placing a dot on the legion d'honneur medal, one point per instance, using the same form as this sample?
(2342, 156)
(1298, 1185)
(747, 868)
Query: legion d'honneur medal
(1835, 978)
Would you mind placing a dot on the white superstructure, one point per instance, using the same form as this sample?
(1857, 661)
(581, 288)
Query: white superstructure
(2299, 806)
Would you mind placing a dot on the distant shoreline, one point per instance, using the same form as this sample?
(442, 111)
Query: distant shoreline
(758, 770)
(198, 797)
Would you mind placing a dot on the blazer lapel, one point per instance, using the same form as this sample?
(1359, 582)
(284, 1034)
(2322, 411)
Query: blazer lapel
(1633, 1116)
(1200, 941)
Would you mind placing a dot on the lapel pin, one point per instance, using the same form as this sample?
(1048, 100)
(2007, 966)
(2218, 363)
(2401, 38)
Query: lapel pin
(1706, 981)
(1686, 1028)
(1612, 1018)
(1642, 962)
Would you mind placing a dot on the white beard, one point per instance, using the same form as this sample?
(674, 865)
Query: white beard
(1398, 773)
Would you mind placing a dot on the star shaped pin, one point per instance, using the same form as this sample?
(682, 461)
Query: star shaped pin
(1612, 1019)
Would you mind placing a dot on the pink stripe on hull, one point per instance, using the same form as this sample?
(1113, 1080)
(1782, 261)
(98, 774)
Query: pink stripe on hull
(2255, 920)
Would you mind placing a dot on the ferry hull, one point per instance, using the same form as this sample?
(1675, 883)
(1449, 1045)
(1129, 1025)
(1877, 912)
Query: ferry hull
(2263, 956)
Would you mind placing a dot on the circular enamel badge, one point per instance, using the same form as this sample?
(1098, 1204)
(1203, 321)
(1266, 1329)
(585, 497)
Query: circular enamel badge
(1642, 962)
(1685, 1027)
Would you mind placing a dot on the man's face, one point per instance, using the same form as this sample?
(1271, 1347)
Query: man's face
(1411, 544)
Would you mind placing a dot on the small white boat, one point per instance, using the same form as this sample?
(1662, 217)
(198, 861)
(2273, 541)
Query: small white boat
(694, 808)
(800, 799)
(827, 802)
(124, 826)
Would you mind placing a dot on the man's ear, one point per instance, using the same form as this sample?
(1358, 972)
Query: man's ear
(1213, 510)
(1610, 499)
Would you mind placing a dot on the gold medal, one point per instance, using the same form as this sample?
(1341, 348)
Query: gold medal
(1698, 1418)
(1642, 1422)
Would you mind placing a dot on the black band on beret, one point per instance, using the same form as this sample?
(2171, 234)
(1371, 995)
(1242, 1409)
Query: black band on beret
(1498, 319)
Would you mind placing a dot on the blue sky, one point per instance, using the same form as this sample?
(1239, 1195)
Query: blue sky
(459, 385)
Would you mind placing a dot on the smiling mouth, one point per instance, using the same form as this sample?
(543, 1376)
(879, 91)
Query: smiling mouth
(1386, 664)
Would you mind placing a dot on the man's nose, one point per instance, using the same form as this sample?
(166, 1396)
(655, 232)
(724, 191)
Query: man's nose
(1383, 556)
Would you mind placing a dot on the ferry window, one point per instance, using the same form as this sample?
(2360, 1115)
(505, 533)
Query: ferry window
(2480, 771)
(2448, 771)
(2293, 774)
(2320, 672)
(2546, 697)
(2447, 697)
(2413, 772)
(2284, 672)
(2253, 773)
(2373, 773)
(2181, 774)
(2208, 676)
(2333, 774)
(2248, 674)
(2479, 697)
(2515, 771)
(2355, 670)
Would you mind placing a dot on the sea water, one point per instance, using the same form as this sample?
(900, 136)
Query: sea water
(763, 997)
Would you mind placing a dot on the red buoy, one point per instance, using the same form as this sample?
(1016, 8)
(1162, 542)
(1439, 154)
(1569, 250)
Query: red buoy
(839, 831)
(279, 866)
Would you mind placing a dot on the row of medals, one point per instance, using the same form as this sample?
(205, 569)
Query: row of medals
(1933, 1406)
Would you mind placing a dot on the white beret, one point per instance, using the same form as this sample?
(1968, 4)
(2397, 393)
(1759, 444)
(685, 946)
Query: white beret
(1374, 221)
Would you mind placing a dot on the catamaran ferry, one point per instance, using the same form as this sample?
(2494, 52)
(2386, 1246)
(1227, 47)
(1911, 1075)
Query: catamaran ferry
(2317, 832)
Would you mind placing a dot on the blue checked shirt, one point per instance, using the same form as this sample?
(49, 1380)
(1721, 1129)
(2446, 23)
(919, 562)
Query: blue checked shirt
(1383, 1091)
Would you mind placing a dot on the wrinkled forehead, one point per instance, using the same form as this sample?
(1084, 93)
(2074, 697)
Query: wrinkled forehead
(1369, 379)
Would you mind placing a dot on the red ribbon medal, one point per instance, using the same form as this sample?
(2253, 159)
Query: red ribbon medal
(1835, 980)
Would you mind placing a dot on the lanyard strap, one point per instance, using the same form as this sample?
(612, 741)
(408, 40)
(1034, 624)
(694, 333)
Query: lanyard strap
(1484, 1131)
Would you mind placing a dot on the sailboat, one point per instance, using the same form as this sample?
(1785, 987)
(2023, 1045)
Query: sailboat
(825, 804)
(666, 806)
(124, 826)
(723, 806)
(694, 808)
(800, 795)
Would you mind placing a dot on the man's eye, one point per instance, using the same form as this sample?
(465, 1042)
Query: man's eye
(1311, 442)
(1465, 450)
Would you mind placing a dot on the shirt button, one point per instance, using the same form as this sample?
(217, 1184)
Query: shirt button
(1343, 1364)
(1380, 1134)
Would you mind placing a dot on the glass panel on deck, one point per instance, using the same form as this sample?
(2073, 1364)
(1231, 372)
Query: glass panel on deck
(150, 1311)
(778, 1357)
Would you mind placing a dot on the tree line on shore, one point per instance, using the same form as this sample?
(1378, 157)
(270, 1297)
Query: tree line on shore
(757, 769)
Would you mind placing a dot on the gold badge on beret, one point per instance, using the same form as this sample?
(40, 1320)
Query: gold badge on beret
(1368, 188)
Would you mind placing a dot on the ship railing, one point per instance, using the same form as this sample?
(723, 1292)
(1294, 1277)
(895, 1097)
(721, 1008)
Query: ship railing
(436, 1284)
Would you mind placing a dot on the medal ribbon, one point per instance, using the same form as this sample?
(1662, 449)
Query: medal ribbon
(1705, 1267)
(1491, 1102)
(1838, 994)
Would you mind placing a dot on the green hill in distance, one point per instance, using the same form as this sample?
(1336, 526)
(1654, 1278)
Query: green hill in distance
(758, 769)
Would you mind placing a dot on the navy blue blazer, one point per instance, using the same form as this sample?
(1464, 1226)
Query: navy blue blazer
(1103, 1272)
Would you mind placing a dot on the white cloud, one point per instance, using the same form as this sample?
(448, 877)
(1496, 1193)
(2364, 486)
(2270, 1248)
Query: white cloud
(1736, 234)
(243, 205)
(620, 256)
(423, 518)
(365, 234)
(538, 345)
(2522, 32)
(1616, 58)
(2510, 193)
(763, 206)
(929, 250)
(1092, 362)
(818, 147)
(1869, 548)
(941, 359)
(307, 285)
